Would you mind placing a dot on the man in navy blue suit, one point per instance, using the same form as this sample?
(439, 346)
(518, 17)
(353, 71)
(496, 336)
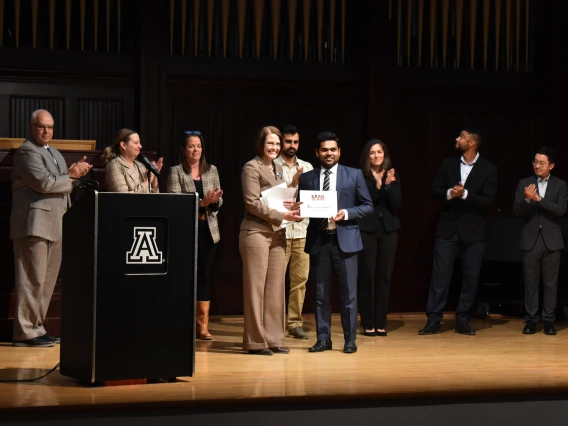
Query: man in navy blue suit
(334, 243)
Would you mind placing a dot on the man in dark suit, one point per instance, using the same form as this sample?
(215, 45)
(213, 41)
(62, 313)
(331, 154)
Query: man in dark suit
(467, 186)
(334, 243)
(41, 184)
(541, 201)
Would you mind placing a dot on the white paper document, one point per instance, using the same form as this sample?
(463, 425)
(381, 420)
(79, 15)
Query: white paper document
(274, 198)
(322, 204)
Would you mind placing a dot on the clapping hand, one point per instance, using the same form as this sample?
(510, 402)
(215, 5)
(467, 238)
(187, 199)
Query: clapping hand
(390, 177)
(81, 168)
(457, 191)
(531, 193)
(212, 197)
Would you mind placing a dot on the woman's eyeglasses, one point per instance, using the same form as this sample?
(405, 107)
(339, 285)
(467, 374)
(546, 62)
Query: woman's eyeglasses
(192, 132)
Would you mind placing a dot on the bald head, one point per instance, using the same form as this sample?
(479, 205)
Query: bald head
(41, 126)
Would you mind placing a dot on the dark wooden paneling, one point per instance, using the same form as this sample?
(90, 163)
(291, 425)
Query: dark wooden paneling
(99, 119)
(21, 108)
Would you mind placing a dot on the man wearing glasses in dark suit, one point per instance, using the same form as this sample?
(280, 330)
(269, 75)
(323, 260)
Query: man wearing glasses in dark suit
(541, 201)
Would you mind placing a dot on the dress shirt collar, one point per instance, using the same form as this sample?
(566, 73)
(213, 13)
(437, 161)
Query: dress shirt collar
(545, 180)
(280, 160)
(333, 170)
(469, 164)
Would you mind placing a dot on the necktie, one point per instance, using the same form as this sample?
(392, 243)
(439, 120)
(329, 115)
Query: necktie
(54, 160)
(326, 185)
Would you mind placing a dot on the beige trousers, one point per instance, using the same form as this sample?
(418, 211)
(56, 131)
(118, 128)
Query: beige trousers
(37, 262)
(263, 255)
(299, 269)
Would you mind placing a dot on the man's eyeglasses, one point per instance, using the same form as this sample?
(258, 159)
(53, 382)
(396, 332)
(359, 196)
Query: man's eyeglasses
(540, 163)
(192, 132)
(43, 128)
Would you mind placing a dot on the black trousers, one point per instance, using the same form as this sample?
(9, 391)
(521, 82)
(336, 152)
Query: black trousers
(539, 260)
(376, 263)
(445, 252)
(205, 256)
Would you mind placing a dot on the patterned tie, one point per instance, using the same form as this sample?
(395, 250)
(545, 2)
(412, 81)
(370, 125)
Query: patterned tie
(326, 185)
(54, 160)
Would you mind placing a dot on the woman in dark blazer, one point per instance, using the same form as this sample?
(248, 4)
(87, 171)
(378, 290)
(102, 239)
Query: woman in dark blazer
(262, 244)
(379, 236)
(194, 174)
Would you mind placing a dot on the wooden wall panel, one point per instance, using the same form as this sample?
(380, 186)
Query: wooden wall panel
(99, 119)
(21, 108)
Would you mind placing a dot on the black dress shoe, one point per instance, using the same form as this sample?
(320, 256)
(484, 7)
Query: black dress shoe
(280, 350)
(382, 333)
(369, 333)
(36, 342)
(530, 328)
(549, 328)
(463, 327)
(264, 351)
(54, 339)
(320, 346)
(429, 328)
(350, 347)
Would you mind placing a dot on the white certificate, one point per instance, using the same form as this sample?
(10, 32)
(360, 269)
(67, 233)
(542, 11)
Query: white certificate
(321, 204)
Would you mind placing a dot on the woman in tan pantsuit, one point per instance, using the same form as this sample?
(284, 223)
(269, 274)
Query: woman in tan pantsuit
(262, 244)
(194, 174)
(123, 173)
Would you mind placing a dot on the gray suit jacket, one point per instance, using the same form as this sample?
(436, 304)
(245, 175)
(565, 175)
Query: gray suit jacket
(40, 192)
(180, 182)
(544, 216)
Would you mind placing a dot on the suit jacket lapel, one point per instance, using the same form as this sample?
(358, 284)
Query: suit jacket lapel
(316, 181)
(339, 179)
(266, 172)
(188, 179)
(474, 171)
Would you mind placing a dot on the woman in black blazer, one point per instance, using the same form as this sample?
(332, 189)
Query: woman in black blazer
(379, 236)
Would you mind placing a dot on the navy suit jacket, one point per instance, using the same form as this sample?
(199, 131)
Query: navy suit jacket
(353, 196)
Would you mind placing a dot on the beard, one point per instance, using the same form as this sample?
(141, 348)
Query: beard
(290, 152)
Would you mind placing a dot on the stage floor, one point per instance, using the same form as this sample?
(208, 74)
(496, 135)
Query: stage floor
(499, 360)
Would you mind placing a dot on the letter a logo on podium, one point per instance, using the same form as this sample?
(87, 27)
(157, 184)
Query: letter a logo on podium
(144, 248)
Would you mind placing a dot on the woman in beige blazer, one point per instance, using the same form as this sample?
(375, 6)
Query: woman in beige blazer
(193, 174)
(262, 244)
(123, 173)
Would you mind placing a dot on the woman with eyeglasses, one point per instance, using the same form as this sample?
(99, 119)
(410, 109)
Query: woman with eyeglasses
(379, 237)
(194, 174)
(123, 173)
(262, 244)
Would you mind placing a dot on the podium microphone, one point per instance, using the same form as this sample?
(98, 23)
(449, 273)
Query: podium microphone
(87, 183)
(151, 168)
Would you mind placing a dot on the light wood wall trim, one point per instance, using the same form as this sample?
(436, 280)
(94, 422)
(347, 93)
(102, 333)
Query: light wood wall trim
(60, 144)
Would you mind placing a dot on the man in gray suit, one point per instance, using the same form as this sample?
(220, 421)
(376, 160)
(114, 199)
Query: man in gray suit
(41, 184)
(541, 201)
